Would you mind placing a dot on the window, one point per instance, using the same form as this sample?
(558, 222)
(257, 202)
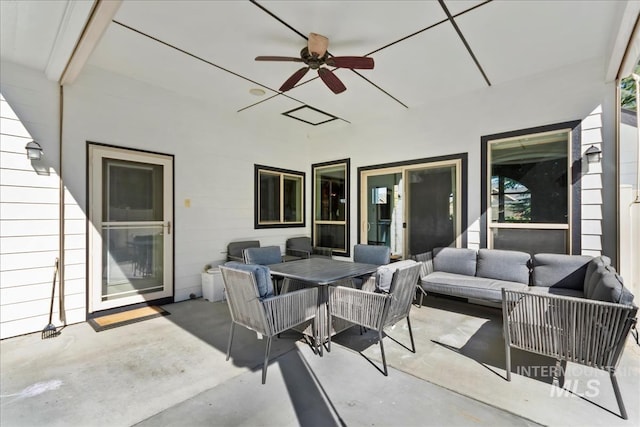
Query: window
(528, 195)
(331, 206)
(279, 198)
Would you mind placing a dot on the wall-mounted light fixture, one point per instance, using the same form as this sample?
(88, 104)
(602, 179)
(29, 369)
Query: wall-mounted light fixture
(594, 154)
(34, 151)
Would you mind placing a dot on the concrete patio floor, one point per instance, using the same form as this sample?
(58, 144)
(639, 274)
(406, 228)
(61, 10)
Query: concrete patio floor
(172, 371)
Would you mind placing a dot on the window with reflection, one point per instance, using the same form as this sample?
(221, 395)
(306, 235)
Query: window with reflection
(330, 226)
(279, 197)
(529, 191)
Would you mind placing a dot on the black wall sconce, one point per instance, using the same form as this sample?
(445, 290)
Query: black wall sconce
(34, 151)
(593, 154)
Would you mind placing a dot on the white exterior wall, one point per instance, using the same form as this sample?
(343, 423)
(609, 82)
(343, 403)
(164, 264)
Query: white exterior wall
(215, 150)
(456, 126)
(29, 193)
(629, 206)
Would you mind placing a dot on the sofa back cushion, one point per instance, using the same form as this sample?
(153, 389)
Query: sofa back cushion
(455, 260)
(384, 274)
(512, 266)
(261, 273)
(559, 270)
(595, 269)
(609, 288)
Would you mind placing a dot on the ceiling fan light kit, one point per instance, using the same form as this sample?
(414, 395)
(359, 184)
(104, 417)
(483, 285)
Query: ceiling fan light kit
(314, 56)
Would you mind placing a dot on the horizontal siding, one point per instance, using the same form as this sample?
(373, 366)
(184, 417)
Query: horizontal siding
(37, 323)
(16, 161)
(18, 178)
(36, 227)
(28, 244)
(28, 194)
(13, 127)
(28, 211)
(27, 309)
(26, 261)
(19, 278)
(75, 226)
(18, 294)
(29, 230)
(6, 111)
(14, 144)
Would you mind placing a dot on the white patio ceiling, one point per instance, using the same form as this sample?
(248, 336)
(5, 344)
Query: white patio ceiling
(206, 49)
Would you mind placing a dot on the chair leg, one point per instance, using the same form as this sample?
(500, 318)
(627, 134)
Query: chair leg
(230, 340)
(506, 334)
(422, 294)
(507, 357)
(413, 344)
(266, 360)
(328, 333)
(384, 359)
(616, 390)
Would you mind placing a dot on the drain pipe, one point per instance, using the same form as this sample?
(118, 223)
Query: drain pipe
(62, 314)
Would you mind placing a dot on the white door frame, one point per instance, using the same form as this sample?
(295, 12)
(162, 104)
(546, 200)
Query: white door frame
(96, 154)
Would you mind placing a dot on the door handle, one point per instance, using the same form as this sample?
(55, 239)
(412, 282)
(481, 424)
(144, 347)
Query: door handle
(168, 227)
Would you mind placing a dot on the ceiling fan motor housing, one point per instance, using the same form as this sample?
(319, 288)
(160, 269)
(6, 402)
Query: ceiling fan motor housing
(311, 59)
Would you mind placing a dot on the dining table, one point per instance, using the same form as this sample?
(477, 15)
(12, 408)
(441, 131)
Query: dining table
(322, 273)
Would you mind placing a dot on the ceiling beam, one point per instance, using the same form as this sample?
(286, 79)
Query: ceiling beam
(100, 18)
(464, 40)
(625, 50)
(76, 14)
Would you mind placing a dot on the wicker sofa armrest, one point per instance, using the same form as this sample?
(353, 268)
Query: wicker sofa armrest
(579, 330)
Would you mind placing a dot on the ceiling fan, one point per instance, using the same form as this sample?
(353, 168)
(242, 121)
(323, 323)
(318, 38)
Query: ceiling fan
(315, 55)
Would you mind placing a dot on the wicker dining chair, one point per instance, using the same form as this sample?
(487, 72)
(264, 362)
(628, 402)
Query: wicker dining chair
(301, 247)
(252, 304)
(264, 255)
(375, 310)
(368, 254)
(235, 249)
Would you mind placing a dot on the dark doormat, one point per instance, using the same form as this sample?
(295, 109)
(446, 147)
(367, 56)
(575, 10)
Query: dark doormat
(116, 320)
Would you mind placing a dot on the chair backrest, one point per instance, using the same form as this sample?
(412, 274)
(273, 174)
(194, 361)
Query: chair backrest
(372, 254)
(234, 249)
(243, 299)
(299, 243)
(264, 256)
(402, 291)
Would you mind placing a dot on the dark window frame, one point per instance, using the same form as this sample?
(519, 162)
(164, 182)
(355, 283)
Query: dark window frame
(347, 163)
(257, 169)
(575, 192)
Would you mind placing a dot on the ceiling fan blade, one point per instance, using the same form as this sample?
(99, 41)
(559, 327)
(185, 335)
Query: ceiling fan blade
(295, 78)
(278, 58)
(355, 62)
(317, 44)
(331, 80)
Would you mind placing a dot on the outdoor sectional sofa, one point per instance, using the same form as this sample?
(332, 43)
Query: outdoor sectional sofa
(482, 275)
(569, 307)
